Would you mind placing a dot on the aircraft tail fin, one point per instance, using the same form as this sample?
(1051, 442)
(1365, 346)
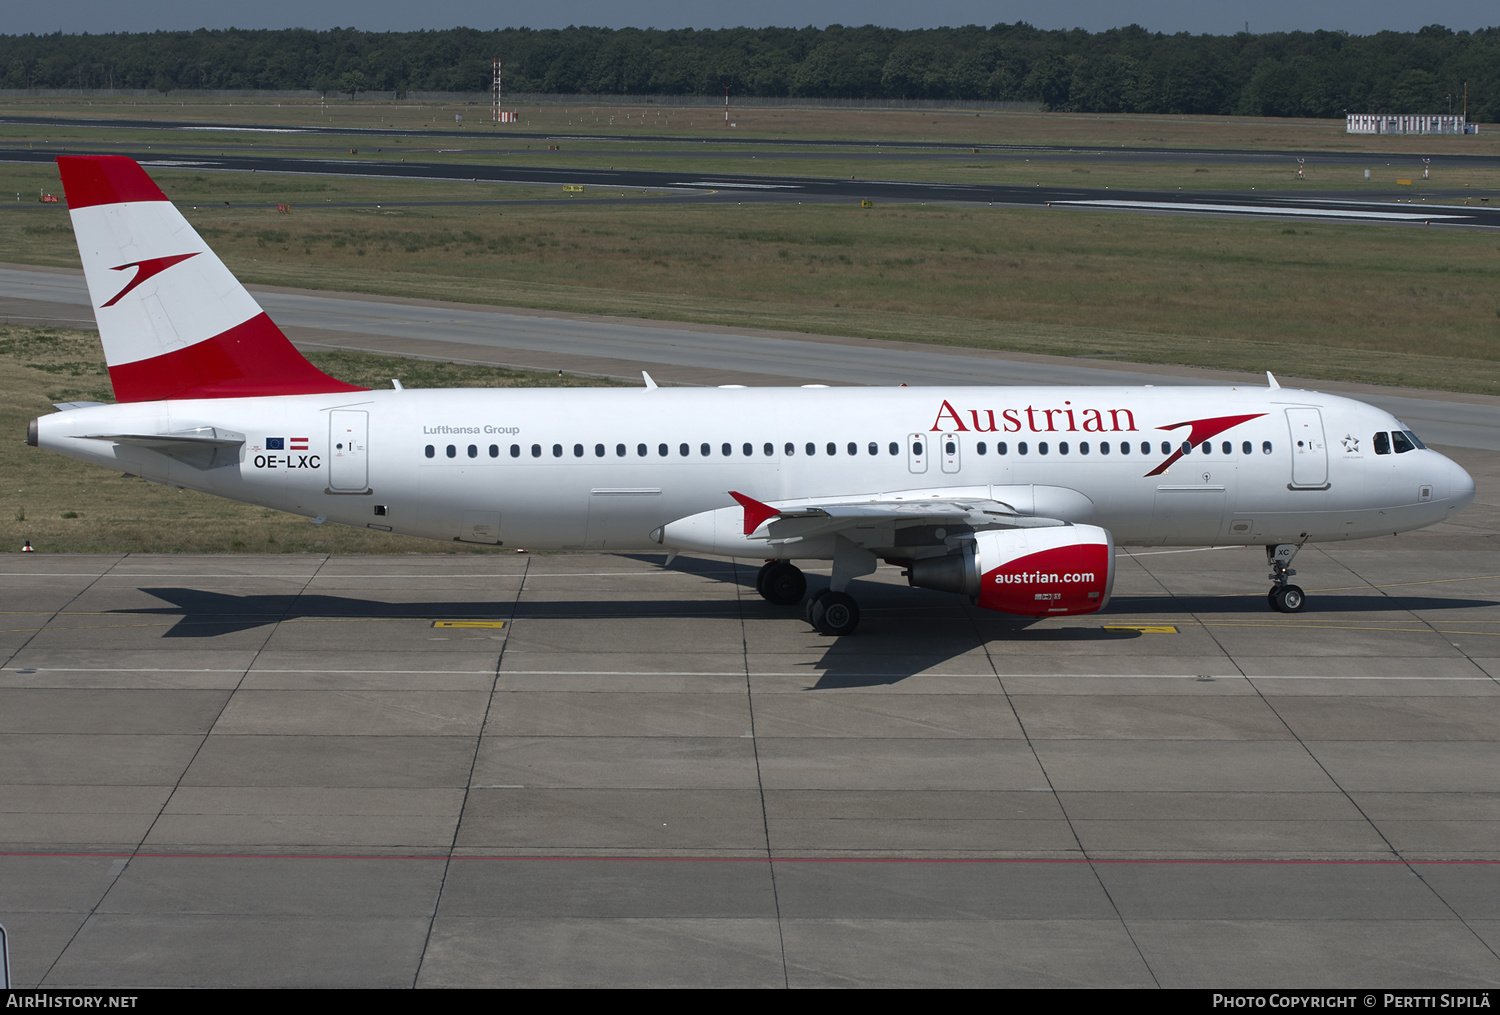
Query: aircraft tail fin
(175, 323)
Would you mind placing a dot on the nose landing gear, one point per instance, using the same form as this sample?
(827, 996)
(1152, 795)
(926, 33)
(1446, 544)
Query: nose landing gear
(1284, 597)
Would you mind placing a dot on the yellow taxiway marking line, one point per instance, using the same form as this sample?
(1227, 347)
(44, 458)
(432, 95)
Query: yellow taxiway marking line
(468, 623)
(1143, 628)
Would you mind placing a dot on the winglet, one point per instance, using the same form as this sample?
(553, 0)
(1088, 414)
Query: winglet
(1272, 381)
(650, 384)
(755, 511)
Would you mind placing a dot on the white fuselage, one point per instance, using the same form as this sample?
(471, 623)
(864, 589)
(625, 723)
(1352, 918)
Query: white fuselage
(608, 468)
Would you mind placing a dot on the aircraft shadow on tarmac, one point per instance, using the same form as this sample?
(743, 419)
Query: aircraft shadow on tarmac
(905, 632)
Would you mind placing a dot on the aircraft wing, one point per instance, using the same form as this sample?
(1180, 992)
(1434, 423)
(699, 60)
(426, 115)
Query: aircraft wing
(793, 523)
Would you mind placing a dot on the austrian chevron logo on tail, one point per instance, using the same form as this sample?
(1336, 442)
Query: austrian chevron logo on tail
(149, 267)
(1202, 430)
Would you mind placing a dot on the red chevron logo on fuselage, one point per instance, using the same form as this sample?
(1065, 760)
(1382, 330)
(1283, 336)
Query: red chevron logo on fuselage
(1202, 430)
(149, 267)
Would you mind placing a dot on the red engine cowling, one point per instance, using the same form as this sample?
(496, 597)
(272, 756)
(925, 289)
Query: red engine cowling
(1032, 572)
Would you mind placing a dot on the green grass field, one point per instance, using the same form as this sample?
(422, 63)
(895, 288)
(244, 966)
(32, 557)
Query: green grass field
(1387, 304)
(792, 122)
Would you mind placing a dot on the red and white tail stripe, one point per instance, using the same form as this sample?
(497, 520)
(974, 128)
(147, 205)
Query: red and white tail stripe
(174, 322)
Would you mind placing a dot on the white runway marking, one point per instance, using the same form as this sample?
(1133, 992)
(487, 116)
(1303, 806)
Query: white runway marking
(1249, 209)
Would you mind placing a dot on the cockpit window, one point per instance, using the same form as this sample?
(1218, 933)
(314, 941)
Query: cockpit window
(1382, 443)
(1415, 439)
(1403, 445)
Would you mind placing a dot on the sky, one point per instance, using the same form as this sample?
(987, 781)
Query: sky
(1212, 17)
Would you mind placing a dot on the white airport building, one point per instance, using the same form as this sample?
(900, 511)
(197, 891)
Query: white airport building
(1409, 123)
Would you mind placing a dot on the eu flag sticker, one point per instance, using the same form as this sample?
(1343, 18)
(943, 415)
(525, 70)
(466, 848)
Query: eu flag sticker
(275, 443)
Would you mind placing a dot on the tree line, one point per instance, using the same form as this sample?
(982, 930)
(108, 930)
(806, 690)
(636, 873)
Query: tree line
(1125, 70)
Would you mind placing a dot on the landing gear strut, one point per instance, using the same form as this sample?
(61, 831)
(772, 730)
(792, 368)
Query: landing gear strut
(1283, 597)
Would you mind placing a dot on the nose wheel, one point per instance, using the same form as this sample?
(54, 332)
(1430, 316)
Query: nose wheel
(1284, 597)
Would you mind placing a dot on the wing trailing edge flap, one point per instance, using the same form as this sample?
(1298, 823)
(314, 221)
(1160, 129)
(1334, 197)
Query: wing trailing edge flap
(802, 521)
(204, 447)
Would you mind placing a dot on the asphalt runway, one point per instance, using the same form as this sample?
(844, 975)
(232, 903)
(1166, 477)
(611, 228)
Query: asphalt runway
(580, 770)
(686, 184)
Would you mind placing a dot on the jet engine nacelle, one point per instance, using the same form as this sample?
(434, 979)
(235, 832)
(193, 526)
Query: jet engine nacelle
(1032, 572)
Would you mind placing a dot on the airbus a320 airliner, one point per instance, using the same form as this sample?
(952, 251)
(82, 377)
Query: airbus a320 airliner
(1014, 497)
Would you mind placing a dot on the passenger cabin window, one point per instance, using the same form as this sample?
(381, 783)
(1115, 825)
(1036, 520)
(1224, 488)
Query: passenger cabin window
(895, 448)
(473, 451)
(981, 448)
(557, 451)
(663, 450)
(598, 450)
(769, 449)
(451, 451)
(515, 451)
(704, 450)
(494, 451)
(853, 448)
(790, 449)
(1265, 447)
(536, 451)
(432, 451)
(619, 451)
(577, 450)
(1382, 444)
(1002, 448)
(874, 448)
(749, 449)
(811, 448)
(1246, 448)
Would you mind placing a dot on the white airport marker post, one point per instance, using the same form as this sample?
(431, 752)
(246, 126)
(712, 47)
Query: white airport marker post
(4, 960)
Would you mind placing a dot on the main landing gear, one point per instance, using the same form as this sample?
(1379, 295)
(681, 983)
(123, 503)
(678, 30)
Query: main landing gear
(832, 612)
(781, 582)
(1283, 597)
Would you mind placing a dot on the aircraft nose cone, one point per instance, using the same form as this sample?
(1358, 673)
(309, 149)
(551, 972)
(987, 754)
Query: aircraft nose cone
(1460, 486)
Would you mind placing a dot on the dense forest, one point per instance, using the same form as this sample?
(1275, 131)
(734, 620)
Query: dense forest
(1122, 70)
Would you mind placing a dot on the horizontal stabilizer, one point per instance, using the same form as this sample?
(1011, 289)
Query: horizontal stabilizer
(204, 447)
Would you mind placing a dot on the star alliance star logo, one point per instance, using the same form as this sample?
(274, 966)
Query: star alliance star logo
(1351, 444)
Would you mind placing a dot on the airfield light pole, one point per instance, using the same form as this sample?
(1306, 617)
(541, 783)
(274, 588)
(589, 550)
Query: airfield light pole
(726, 105)
(495, 90)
